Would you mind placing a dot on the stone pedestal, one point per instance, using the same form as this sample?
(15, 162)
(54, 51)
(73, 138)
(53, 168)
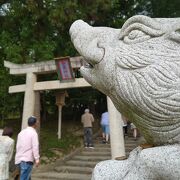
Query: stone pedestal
(152, 163)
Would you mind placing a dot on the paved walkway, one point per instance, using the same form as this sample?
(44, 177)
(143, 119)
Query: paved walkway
(81, 164)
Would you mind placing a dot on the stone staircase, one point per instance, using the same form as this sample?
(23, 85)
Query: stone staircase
(81, 164)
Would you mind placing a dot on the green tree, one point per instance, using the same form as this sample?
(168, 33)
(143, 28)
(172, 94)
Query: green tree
(38, 30)
(165, 8)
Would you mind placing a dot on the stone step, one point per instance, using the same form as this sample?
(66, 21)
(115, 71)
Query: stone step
(81, 163)
(129, 149)
(130, 144)
(108, 145)
(127, 140)
(74, 169)
(102, 153)
(94, 153)
(91, 158)
(96, 148)
(99, 158)
(61, 176)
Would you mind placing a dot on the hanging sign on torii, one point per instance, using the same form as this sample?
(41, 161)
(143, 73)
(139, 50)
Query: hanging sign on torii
(64, 69)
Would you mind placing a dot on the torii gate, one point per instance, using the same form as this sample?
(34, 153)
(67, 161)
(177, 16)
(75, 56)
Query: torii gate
(32, 97)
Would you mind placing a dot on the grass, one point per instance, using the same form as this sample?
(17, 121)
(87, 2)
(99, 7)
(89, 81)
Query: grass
(50, 142)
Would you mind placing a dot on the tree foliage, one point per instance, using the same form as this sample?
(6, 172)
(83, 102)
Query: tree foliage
(38, 30)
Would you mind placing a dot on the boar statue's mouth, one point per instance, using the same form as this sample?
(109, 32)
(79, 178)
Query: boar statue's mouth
(90, 48)
(90, 63)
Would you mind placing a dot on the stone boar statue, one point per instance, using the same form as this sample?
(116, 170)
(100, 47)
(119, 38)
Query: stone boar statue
(138, 67)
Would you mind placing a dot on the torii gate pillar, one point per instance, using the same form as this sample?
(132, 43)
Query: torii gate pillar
(37, 109)
(116, 132)
(29, 98)
(32, 96)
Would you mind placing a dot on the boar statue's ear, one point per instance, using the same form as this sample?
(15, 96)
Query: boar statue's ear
(175, 35)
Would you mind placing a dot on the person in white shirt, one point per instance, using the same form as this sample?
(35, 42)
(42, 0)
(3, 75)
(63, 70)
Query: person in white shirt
(6, 152)
(27, 149)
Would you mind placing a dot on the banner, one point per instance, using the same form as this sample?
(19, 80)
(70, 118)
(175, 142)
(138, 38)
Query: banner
(64, 69)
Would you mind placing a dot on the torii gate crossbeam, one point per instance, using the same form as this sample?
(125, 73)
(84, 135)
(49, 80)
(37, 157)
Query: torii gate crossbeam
(32, 97)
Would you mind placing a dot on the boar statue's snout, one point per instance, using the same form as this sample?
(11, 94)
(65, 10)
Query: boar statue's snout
(77, 27)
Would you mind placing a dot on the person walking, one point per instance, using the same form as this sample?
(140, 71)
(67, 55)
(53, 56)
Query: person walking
(27, 149)
(87, 119)
(6, 152)
(105, 126)
(134, 128)
(125, 125)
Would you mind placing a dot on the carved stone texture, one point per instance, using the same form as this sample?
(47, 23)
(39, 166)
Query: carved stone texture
(158, 163)
(138, 67)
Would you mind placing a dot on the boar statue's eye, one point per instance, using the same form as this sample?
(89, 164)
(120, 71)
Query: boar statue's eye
(175, 36)
(135, 36)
